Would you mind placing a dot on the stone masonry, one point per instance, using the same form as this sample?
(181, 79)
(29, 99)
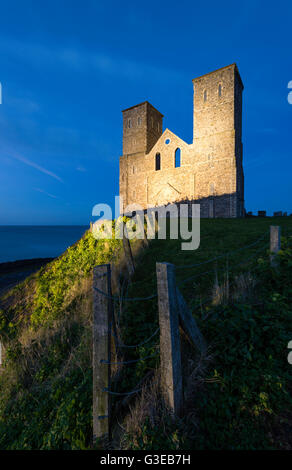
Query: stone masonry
(209, 170)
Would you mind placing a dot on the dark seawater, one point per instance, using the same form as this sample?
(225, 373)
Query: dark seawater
(26, 242)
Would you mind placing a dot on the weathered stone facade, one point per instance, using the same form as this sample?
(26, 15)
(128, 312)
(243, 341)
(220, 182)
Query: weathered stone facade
(209, 170)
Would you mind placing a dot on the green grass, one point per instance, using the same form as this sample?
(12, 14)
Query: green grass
(246, 393)
(45, 323)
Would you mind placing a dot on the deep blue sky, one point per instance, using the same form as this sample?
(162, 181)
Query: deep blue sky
(68, 68)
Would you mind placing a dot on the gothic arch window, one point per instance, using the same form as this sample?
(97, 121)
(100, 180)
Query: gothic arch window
(129, 123)
(139, 121)
(220, 90)
(157, 162)
(177, 156)
(205, 96)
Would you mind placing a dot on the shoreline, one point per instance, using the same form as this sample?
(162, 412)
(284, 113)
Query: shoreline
(10, 266)
(14, 272)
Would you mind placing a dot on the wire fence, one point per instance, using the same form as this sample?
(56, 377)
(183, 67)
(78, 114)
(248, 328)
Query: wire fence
(181, 282)
(224, 255)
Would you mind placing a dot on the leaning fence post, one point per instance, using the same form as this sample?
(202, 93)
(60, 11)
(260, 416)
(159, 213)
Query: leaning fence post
(171, 375)
(275, 243)
(102, 314)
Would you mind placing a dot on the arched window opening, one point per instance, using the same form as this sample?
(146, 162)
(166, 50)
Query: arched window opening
(157, 162)
(205, 95)
(220, 90)
(177, 156)
(139, 121)
(129, 123)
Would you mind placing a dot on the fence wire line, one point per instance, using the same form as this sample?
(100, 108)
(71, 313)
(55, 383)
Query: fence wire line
(100, 275)
(136, 345)
(221, 269)
(122, 393)
(232, 283)
(103, 361)
(116, 298)
(224, 255)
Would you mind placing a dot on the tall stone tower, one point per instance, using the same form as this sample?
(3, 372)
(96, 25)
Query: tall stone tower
(217, 141)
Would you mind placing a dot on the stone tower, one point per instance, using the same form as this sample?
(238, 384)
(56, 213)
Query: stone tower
(218, 140)
(142, 127)
(158, 167)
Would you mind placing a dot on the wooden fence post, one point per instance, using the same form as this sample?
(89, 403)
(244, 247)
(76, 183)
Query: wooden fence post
(170, 355)
(102, 317)
(275, 242)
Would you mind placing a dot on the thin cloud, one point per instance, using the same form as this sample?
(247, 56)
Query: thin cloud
(81, 169)
(45, 192)
(38, 167)
(81, 59)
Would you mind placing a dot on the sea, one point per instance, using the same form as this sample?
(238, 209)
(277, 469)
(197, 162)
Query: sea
(28, 242)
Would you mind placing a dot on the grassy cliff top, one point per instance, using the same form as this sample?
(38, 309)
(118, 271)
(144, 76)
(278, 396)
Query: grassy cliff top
(240, 395)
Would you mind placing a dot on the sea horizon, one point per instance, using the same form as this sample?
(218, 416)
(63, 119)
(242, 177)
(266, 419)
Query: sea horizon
(23, 242)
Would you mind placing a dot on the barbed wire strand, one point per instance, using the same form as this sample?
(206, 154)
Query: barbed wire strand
(121, 393)
(223, 255)
(221, 269)
(116, 298)
(103, 361)
(136, 345)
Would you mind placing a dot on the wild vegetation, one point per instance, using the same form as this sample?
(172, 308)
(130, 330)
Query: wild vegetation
(237, 396)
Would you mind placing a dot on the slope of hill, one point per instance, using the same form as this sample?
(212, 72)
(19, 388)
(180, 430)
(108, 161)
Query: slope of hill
(238, 396)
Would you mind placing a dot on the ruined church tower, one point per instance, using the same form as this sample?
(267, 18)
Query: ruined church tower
(158, 167)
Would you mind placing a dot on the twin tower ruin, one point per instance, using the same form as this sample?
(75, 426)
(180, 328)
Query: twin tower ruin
(158, 167)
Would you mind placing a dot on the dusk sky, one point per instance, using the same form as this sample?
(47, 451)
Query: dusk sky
(68, 68)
